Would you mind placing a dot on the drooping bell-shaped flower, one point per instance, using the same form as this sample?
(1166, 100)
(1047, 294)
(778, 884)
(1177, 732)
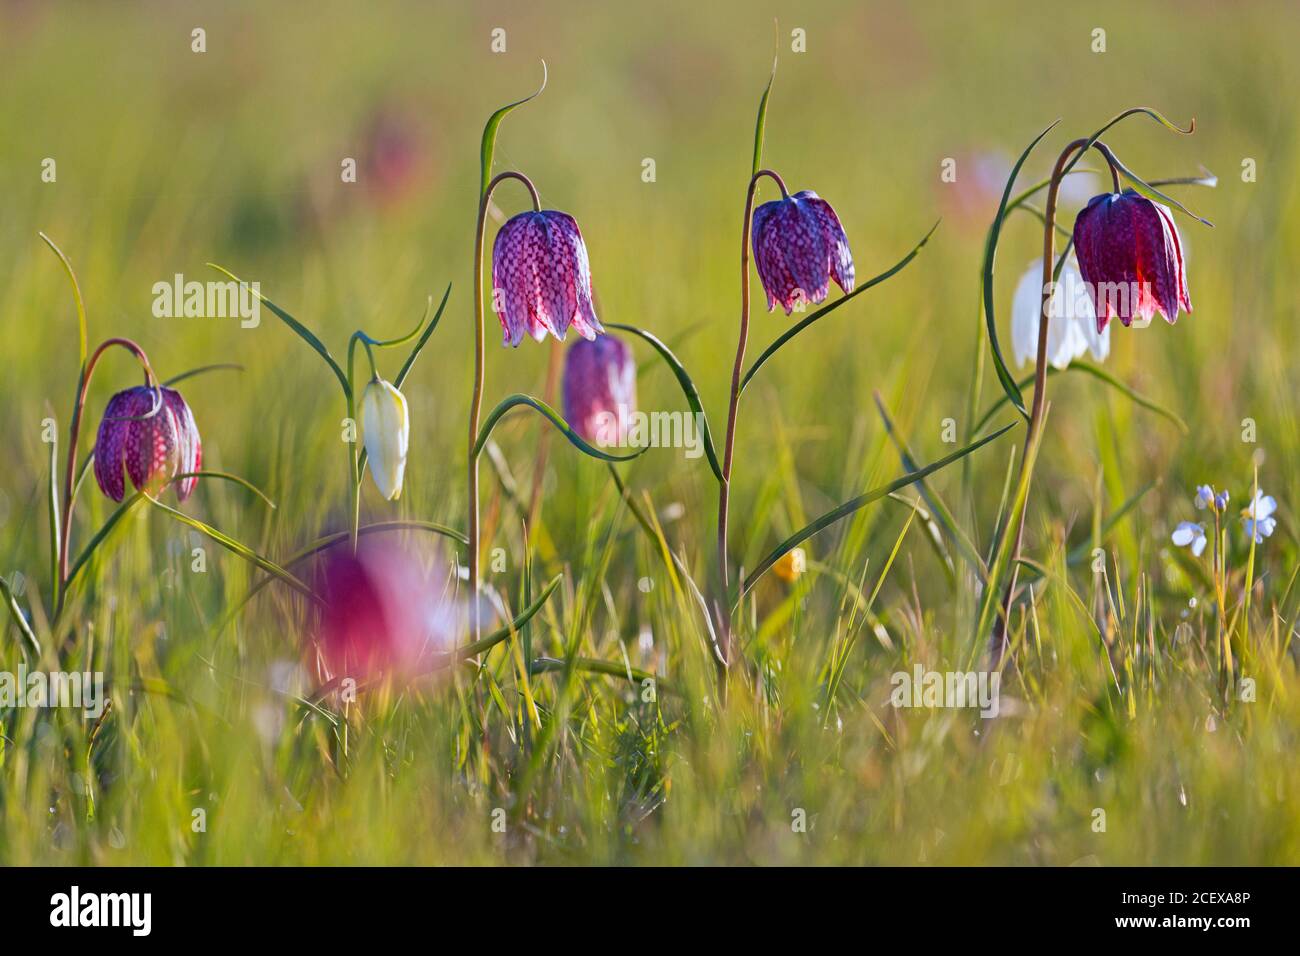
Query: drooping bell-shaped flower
(541, 278)
(386, 431)
(385, 609)
(1131, 257)
(152, 432)
(600, 390)
(799, 246)
(1072, 327)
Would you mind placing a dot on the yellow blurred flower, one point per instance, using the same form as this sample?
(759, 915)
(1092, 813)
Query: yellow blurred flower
(791, 564)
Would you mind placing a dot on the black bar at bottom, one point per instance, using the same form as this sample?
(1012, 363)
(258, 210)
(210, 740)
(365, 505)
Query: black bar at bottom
(328, 905)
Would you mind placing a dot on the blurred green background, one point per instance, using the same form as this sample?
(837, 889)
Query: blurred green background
(168, 159)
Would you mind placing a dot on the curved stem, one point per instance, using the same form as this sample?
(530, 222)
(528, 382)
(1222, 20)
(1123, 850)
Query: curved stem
(354, 477)
(354, 455)
(476, 398)
(74, 429)
(724, 486)
(1111, 162)
(997, 646)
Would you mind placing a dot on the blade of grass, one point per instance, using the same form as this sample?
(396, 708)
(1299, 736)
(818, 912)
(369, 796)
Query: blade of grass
(861, 501)
(943, 516)
(991, 598)
(20, 619)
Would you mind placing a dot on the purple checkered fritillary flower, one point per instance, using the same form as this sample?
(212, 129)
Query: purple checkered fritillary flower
(600, 389)
(799, 246)
(1131, 257)
(541, 278)
(152, 432)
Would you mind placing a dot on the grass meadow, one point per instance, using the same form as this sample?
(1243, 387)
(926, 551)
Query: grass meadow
(1119, 741)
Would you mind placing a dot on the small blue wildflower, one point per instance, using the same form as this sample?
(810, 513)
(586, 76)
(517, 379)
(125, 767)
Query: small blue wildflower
(1258, 518)
(1189, 532)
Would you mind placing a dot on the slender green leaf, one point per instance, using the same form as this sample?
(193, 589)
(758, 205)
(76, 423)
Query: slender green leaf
(236, 547)
(1207, 179)
(76, 295)
(407, 365)
(403, 339)
(489, 145)
(688, 389)
(798, 327)
(496, 637)
(202, 369)
(553, 416)
(124, 508)
(118, 514)
(1001, 557)
(1132, 111)
(990, 255)
(1163, 121)
(1150, 191)
(547, 665)
(934, 534)
(760, 124)
(20, 619)
(853, 504)
(303, 332)
(943, 516)
(1101, 375)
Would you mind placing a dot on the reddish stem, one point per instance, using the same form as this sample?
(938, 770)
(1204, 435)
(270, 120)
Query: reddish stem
(74, 431)
(721, 611)
(476, 400)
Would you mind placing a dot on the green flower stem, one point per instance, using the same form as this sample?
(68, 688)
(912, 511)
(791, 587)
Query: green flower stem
(357, 455)
(724, 486)
(476, 398)
(1220, 569)
(997, 645)
(354, 468)
(354, 455)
